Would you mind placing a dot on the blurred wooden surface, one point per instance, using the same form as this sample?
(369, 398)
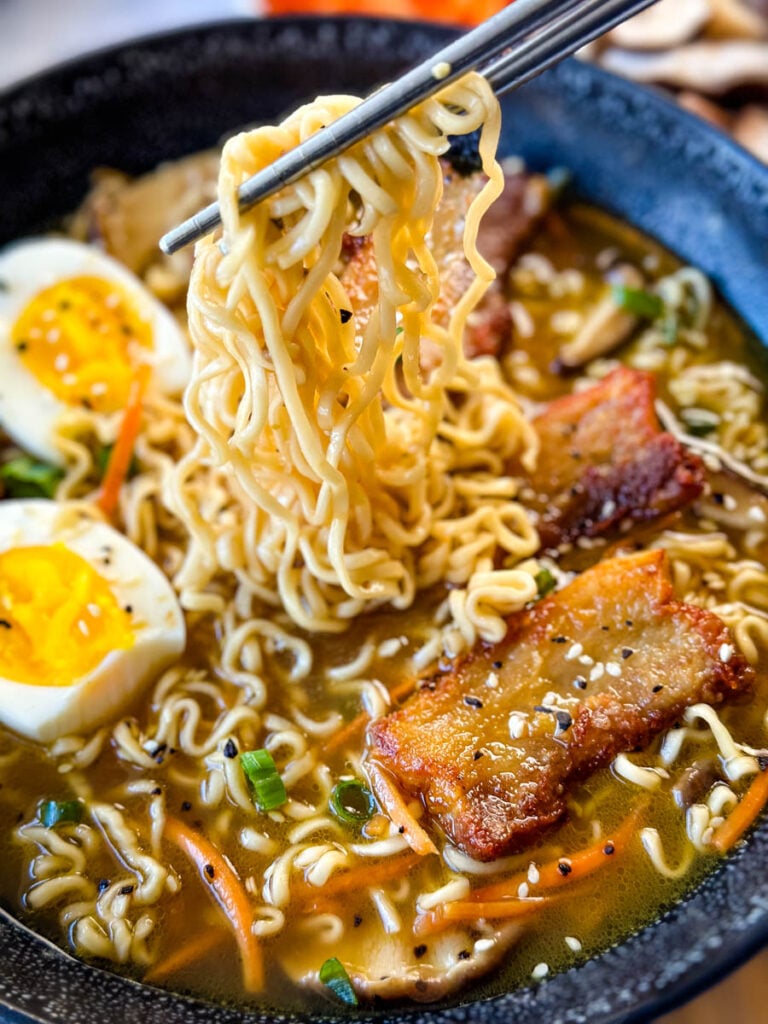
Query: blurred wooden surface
(741, 999)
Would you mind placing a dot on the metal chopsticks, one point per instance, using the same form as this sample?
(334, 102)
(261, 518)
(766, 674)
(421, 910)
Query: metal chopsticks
(530, 35)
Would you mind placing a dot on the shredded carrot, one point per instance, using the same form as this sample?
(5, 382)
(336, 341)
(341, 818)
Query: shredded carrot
(359, 879)
(120, 457)
(351, 729)
(203, 943)
(433, 921)
(394, 804)
(565, 869)
(230, 893)
(743, 814)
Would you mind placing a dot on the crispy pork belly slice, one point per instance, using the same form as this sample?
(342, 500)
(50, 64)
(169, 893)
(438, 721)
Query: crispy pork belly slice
(600, 667)
(603, 459)
(506, 227)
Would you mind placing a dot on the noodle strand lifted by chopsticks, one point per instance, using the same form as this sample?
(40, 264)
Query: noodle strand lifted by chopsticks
(335, 455)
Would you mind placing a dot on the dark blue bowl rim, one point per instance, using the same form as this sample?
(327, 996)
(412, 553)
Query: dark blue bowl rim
(550, 1000)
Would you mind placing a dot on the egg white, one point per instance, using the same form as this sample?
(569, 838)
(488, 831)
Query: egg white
(44, 713)
(28, 410)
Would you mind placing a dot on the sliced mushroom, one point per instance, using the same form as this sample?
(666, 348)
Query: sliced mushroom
(667, 23)
(401, 966)
(751, 130)
(733, 19)
(695, 782)
(606, 326)
(708, 67)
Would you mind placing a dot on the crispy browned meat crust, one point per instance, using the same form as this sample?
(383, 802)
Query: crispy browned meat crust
(492, 745)
(604, 459)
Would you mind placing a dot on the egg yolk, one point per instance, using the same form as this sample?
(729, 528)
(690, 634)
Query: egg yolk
(82, 338)
(58, 617)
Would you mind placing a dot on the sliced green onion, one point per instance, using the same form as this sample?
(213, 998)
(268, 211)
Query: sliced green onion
(266, 785)
(25, 477)
(352, 802)
(700, 428)
(60, 812)
(545, 582)
(334, 975)
(638, 301)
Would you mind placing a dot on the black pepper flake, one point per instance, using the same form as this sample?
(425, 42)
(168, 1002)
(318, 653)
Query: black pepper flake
(609, 849)
(657, 688)
(401, 829)
(762, 762)
(559, 639)
(627, 652)
(126, 890)
(564, 721)
(5, 624)
(65, 304)
(498, 664)
(564, 868)
(477, 755)
(156, 791)
(128, 609)
(575, 454)
(186, 806)
(345, 315)
(629, 622)
(230, 749)
(419, 951)
(718, 498)
(22, 346)
(464, 954)
(209, 870)
(581, 682)
(126, 330)
(103, 884)
(605, 629)
(357, 921)
(473, 702)
(86, 403)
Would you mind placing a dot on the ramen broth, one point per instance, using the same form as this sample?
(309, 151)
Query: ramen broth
(562, 272)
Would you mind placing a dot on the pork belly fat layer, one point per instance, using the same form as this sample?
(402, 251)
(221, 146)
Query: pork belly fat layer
(598, 668)
(603, 459)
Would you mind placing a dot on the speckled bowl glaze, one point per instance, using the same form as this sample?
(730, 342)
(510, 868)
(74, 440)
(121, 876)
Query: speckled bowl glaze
(629, 151)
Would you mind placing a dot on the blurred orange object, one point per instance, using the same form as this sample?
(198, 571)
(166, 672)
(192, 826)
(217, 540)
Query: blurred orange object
(456, 12)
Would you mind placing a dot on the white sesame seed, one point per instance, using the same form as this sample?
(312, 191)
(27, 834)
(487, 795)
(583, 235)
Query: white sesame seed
(729, 503)
(83, 627)
(517, 724)
(756, 514)
(99, 388)
(726, 653)
(533, 873)
(523, 890)
(483, 945)
(492, 681)
(597, 672)
(573, 943)
(613, 668)
(94, 610)
(112, 300)
(540, 971)
(69, 379)
(609, 507)
(53, 335)
(574, 651)
(586, 660)
(61, 362)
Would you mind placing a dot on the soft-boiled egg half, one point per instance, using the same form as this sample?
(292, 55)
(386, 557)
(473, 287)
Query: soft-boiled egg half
(86, 620)
(74, 325)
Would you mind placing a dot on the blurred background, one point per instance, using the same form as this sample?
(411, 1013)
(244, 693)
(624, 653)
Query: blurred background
(711, 54)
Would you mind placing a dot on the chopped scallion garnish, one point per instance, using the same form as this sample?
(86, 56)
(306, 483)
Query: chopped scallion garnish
(60, 812)
(545, 582)
(352, 802)
(266, 785)
(25, 477)
(333, 974)
(638, 301)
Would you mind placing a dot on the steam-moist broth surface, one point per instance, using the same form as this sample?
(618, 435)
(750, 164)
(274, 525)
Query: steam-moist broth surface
(318, 684)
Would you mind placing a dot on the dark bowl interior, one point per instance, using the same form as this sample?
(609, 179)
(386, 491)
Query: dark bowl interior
(630, 151)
